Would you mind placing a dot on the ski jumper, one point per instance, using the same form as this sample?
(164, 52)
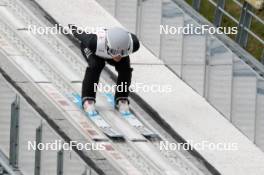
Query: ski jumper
(95, 52)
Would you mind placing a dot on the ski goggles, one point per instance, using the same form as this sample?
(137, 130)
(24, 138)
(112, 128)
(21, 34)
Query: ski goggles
(114, 52)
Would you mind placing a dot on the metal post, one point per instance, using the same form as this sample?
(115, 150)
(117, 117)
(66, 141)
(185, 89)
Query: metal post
(196, 5)
(38, 152)
(244, 22)
(85, 171)
(90, 171)
(139, 18)
(60, 163)
(115, 10)
(262, 57)
(1, 169)
(218, 13)
(14, 133)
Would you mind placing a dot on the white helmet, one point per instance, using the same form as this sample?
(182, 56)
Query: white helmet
(118, 41)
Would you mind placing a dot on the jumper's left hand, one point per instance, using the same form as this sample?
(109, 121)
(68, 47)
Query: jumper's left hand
(117, 58)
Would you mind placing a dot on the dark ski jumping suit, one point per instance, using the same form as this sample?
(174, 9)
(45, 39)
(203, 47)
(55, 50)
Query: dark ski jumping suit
(97, 63)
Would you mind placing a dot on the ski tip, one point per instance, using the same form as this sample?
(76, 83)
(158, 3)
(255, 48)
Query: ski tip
(116, 138)
(139, 139)
(101, 139)
(119, 139)
(152, 137)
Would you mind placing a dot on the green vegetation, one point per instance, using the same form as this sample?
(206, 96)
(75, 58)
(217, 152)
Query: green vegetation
(254, 46)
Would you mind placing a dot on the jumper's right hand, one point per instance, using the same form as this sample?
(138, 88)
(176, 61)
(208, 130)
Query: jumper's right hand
(117, 58)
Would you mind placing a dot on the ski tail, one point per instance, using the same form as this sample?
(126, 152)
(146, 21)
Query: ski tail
(134, 121)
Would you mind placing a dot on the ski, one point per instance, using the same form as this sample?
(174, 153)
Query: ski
(97, 119)
(133, 120)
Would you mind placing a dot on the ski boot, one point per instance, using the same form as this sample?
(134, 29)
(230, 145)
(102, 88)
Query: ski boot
(122, 106)
(89, 107)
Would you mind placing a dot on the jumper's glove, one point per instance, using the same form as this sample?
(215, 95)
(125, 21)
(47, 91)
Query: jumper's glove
(117, 58)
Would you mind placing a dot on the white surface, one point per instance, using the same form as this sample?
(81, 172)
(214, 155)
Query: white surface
(194, 119)
(220, 71)
(194, 55)
(48, 54)
(126, 13)
(150, 19)
(30, 69)
(260, 115)
(44, 51)
(61, 100)
(191, 116)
